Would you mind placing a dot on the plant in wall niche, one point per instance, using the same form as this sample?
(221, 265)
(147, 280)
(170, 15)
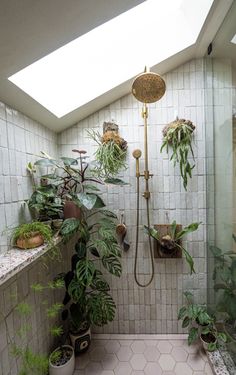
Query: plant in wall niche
(111, 153)
(178, 135)
(200, 324)
(171, 241)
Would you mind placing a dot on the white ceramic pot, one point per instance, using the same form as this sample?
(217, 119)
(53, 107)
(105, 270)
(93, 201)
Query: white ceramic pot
(205, 344)
(80, 341)
(66, 369)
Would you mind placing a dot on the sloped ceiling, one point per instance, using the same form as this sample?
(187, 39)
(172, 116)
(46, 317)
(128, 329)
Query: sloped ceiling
(30, 30)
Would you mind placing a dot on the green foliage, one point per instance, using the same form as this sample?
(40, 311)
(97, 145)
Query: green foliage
(69, 227)
(178, 136)
(224, 277)
(110, 156)
(29, 362)
(196, 318)
(25, 231)
(174, 238)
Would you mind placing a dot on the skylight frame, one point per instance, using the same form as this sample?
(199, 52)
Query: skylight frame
(66, 79)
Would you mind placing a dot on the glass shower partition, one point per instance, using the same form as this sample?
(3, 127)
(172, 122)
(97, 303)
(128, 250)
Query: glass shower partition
(220, 115)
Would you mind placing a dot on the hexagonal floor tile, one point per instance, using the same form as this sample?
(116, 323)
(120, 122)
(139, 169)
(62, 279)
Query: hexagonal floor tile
(153, 368)
(179, 354)
(207, 369)
(164, 346)
(138, 372)
(151, 354)
(97, 354)
(112, 346)
(82, 361)
(124, 353)
(138, 362)
(138, 346)
(107, 372)
(109, 362)
(123, 368)
(183, 369)
(196, 362)
(93, 368)
(166, 362)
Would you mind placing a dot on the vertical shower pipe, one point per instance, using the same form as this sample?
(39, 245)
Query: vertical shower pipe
(148, 87)
(146, 195)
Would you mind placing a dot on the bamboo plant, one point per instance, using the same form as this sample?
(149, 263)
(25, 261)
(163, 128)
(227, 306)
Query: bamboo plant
(178, 136)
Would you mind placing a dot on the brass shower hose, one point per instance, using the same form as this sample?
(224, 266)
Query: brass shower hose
(149, 240)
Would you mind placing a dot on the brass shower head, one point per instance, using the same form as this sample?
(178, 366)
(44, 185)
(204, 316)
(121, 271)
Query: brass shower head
(148, 87)
(137, 153)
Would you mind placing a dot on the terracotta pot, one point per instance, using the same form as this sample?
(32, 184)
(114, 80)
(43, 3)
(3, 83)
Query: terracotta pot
(65, 369)
(30, 243)
(71, 210)
(80, 341)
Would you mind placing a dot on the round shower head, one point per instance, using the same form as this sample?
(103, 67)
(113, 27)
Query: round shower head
(148, 87)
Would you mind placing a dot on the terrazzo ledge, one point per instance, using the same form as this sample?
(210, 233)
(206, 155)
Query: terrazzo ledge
(15, 260)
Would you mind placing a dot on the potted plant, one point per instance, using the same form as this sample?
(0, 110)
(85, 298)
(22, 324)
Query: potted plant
(27, 360)
(110, 155)
(178, 136)
(87, 300)
(45, 204)
(200, 324)
(62, 361)
(31, 235)
(171, 241)
(225, 286)
(87, 297)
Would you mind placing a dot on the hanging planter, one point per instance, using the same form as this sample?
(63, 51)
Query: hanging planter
(178, 135)
(111, 153)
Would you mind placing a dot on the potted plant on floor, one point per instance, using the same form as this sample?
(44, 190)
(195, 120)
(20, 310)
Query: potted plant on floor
(31, 235)
(62, 361)
(171, 241)
(87, 300)
(200, 324)
(178, 136)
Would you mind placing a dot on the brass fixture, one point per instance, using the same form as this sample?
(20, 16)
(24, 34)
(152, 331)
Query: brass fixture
(148, 87)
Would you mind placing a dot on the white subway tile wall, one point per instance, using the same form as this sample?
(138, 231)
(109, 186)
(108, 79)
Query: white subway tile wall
(21, 140)
(154, 309)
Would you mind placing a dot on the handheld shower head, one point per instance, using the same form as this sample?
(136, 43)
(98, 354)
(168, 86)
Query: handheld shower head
(137, 153)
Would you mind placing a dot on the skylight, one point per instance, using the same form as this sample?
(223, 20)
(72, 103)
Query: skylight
(112, 53)
(233, 40)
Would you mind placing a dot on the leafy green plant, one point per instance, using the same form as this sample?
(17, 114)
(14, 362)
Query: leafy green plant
(178, 136)
(224, 277)
(110, 154)
(28, 361)
(193, 315)
(25, 231)
(87, 291)
(171, 240)
(199, 323)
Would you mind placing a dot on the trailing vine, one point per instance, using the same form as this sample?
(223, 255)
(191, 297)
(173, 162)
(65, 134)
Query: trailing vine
(178, 135)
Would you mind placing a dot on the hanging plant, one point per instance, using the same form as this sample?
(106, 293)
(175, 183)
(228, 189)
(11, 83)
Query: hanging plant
(179, 136)
(110, 155)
